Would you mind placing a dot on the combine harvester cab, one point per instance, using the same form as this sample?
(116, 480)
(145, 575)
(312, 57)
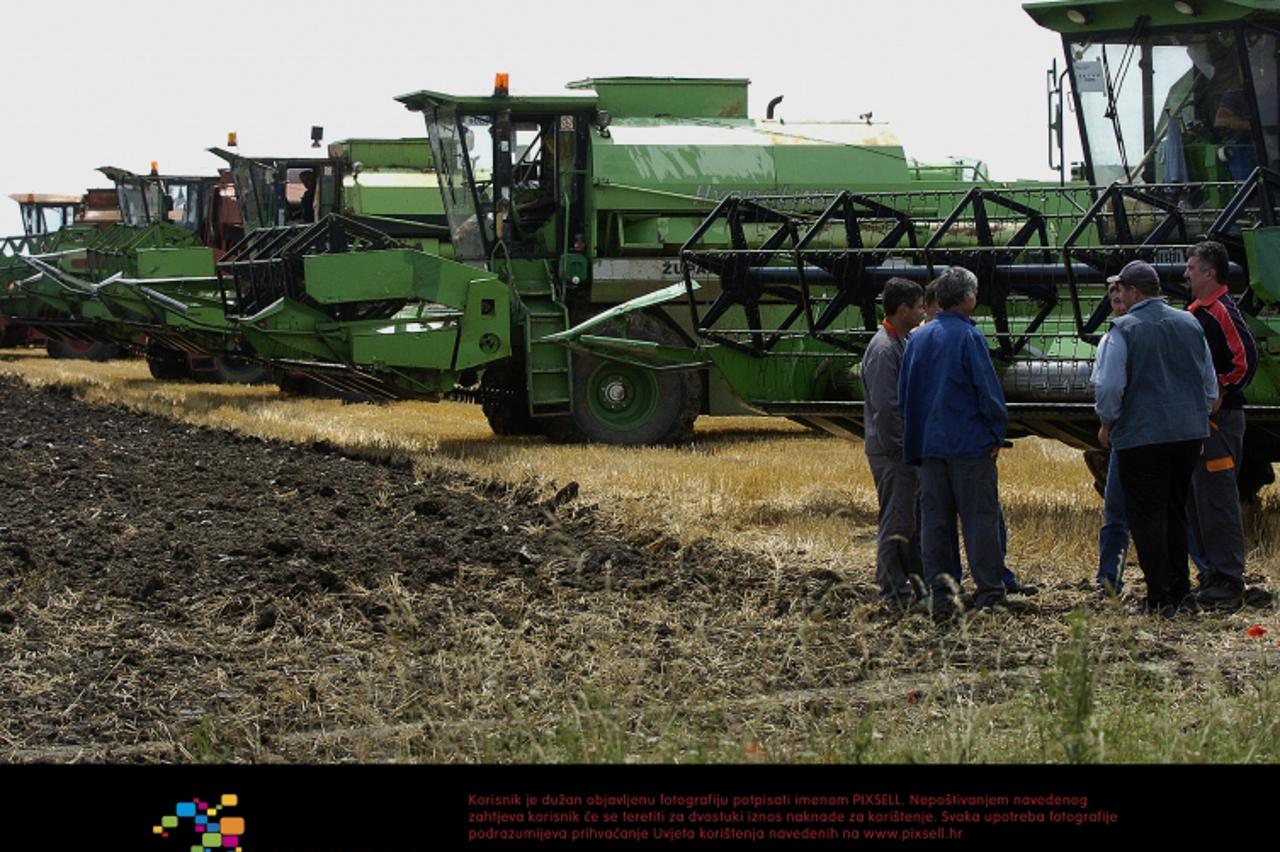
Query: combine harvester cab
(387, 184)
(54, 226)
(160, 255)
(581, 200)
(1180, 116)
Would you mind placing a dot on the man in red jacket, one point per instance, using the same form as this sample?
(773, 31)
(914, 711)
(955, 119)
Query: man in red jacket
(1213, 509)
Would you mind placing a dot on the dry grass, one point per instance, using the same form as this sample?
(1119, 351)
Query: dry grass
(784, 661)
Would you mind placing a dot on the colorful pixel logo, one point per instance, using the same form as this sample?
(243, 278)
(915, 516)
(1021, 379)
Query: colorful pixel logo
(215, 829)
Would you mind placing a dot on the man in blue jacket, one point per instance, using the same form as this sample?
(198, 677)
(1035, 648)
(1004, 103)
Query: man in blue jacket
(954, 421)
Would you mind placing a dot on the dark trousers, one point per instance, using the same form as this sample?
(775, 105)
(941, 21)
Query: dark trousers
(1217, 530)
(1156, 480)
(968, 488)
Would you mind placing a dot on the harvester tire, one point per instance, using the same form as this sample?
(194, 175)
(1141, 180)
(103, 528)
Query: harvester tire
(81, 350)
(12, 335)
(1255, 472)
(237, 371)
(620, 404)
(291, 383)
(1098, 462)
(167, 365)
(507, 408)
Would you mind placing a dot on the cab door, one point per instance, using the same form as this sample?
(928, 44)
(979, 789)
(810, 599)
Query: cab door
(256, 189)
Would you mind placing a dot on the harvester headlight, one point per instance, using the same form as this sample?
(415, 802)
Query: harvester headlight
(1184, 7)
(1078, 16)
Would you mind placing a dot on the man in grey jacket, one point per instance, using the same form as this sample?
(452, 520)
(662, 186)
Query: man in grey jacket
(897, 484)
(1155, 388)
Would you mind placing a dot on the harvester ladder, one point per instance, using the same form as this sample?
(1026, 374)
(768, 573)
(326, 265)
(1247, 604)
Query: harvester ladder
(547, 366)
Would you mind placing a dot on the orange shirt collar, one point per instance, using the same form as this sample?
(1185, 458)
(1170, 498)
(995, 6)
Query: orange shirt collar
(893, 332)
(1213, 297)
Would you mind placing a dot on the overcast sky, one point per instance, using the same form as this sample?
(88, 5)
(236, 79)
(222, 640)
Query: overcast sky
(129, 81)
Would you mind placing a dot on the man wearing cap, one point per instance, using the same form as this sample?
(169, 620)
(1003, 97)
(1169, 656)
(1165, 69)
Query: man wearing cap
(1214, 509)
(1155, 387)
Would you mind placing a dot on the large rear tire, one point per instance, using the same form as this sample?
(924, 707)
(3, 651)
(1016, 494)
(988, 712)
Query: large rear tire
(623, 404)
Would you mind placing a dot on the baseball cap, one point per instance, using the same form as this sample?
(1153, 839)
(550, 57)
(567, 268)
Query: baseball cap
(1136, 272)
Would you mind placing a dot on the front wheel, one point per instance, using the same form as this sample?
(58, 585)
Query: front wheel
(617, 403)
(506, 400)
(237, 371)
(167, 364)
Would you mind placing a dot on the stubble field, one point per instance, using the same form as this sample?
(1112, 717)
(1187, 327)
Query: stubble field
(211, 573)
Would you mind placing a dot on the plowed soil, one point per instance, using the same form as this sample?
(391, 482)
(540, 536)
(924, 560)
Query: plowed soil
(173, 593)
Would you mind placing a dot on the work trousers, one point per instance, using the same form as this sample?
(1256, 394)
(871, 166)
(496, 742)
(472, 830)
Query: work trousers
(1011, 582)
(1156, 480)
(1213, 511)
(898, 536)
(968, 488)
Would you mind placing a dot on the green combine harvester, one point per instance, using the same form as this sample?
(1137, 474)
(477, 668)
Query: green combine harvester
(376, 192)
(151, 282)
(53, 226)
(557, 207)
(81, 292)
(1179, 111)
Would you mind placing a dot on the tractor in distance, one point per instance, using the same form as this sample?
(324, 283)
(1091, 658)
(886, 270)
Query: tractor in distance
(50, 223)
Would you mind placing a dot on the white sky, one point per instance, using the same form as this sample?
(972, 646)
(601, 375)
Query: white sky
(122, 83)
